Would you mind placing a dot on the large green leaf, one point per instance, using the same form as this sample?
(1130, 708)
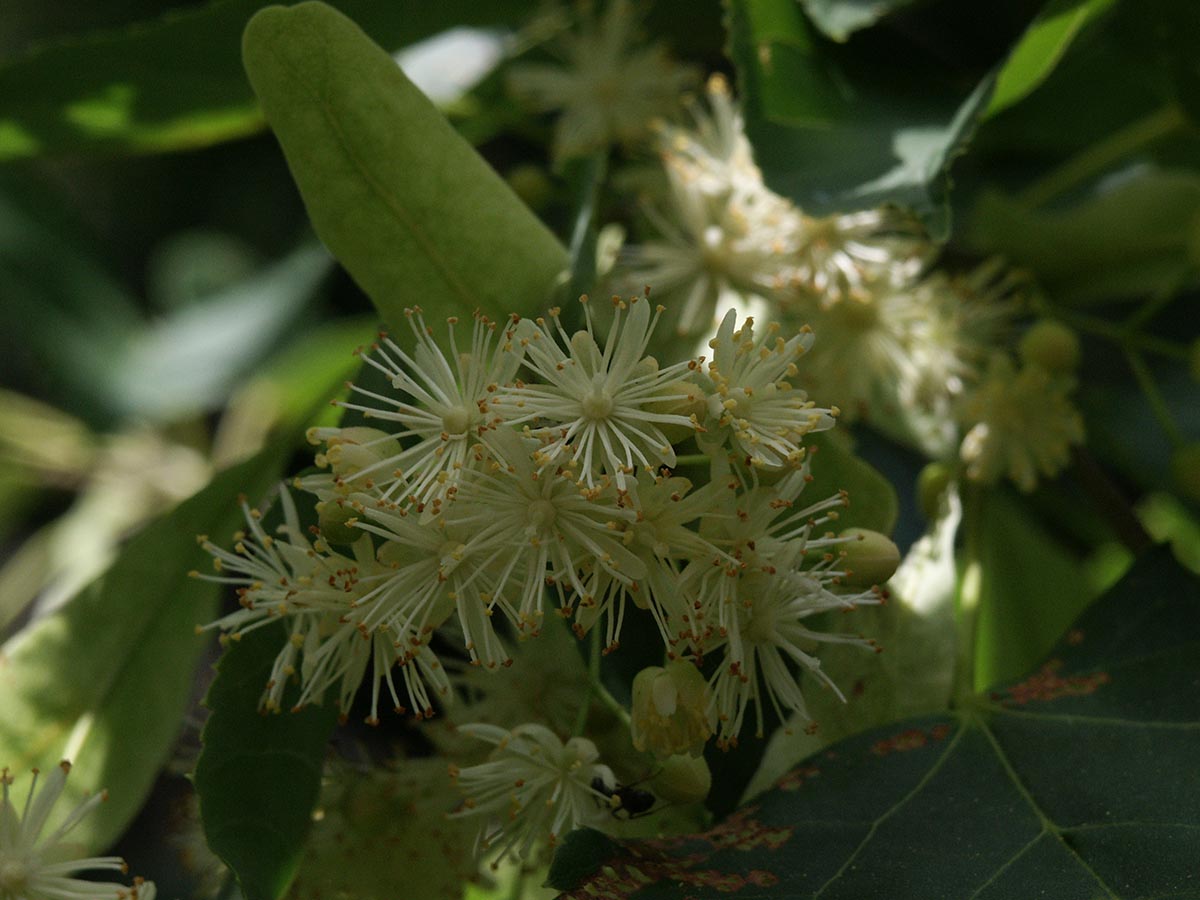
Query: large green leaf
(1041, 47)
(833, 145)
(403, 202)
(106, 680)
(1030, 587)
(1120, 240)
(175, 82)
(259, 775)
(1079, 782)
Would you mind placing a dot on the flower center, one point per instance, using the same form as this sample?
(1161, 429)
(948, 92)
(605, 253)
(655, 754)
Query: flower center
(542, 513)
(456, 420)
(14, 875)
(597, 404)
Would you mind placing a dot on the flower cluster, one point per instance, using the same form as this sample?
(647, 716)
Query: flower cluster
(905, 345)
(723, 237)
(534, 469)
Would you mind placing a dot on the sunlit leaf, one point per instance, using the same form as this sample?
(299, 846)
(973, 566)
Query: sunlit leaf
(176, 82)
(403, 202)
(1056, 781)
(1041, 47)
(106, 680)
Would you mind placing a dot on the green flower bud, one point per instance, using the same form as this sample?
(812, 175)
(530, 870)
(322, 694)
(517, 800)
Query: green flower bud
(682, 779)
(350, 450)
(332, 518)
(670, 710)
(1185, 471)
(872, 558)
(931, 484)
(1052, 346)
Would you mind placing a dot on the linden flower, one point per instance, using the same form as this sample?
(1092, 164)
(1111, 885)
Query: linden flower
(34, 866)
(1024, 425)
(718, 250)
(769, 636)
(533, 788)
(533, 523)
(714, 152)
(601, 406)
(904, 354)
(441, 408)
(762, 415)
(844, 256)
(323, 597)
(609, 89)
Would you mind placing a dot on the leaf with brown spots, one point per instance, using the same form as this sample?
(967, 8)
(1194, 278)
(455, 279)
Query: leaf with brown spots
(1079, 782)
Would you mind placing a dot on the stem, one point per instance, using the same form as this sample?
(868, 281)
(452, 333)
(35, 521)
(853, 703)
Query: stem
(1101, 155)
(582, 247)
(969, 592)
(1154, 397)
(593, 681)
(1119, 334)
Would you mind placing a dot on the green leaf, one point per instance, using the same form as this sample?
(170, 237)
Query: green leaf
(839, 19)
(1133, 237)
(1079, 780)
(175, 82)
(1031, 588)
(259, 775)
(1041, 47)
(106, 680)
(833, 143)
(873, 502)
(403, 202)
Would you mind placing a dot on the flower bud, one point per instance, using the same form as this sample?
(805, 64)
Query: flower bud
(332, 518)
(682, 779)
(872, 558)
(350, 450)
(1185, 471)
(931, 485)
(670, 710)
(1052, 346)
(685, 399)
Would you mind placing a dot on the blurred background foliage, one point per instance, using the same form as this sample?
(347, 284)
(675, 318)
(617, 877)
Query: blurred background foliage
(167, 312)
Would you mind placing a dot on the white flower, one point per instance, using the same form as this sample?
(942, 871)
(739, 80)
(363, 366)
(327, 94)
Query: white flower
(753, 406)
(714, 152)
(898, 351)
(325, 598)
(527, 516)
(533, 788)
(601, 406)
(38, 866)
(441, 406)
(1024, 425)
(845, 256)
(767, 639)
(608, 89)
(715, 250)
